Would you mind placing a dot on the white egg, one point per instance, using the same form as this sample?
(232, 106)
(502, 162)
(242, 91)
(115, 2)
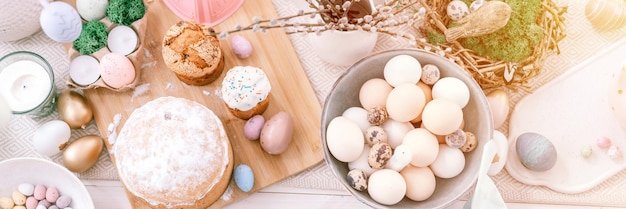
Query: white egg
(449, 163)
(402, 69)
(359, 116)
(442, 116)
(395, 131)
(345, 139)
(617, 95)
(386, 186)
(457, 9)
(50, 137)
(502, 146)
(405, 102)
(453, 89)
(92, 9)
(423, 145)
(61, 22)
(361, 163)
(374, 93)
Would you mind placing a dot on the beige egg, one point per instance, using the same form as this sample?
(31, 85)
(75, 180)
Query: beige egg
(420, 182)
(423, 145)
(606, 14)
(442, 116)
(345, 139)
(499, 104)
(405, 102)
(374, 93)
(449, 163)
(386, 186)
(428, 95)
(83, 153)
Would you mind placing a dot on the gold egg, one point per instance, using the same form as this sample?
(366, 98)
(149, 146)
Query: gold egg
(83, 153)
(499, 102)
(606, 14)
(74, 109)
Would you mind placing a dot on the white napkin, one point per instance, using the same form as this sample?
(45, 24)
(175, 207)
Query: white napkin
(486, 195)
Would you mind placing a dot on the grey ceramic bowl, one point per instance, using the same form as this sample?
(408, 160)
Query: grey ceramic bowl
(477, 117)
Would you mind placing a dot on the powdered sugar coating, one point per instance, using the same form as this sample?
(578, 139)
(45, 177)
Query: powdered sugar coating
(244, 87)
(172, 151)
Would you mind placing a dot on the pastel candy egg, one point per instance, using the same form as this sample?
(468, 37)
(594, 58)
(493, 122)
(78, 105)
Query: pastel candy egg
(63, 201)
(345, 139)
(18, 198)
(19, 207)
(476, 4)
(405, 102)
(52, 194)
(116, 70)
(379, 154)
(92, 9)
(60, 21)
(241, 46)
(252, 128)
(244, 177)
(40, 192)
(277, 133)
(31, 202)
(457, 9)
(535, 151)
(449, 163)
(26, 189)
(357, 180)
(51, 207)
(402, 69)
(44, 203)
(6, 202)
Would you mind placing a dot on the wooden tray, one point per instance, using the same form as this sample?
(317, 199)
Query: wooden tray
(273, 52)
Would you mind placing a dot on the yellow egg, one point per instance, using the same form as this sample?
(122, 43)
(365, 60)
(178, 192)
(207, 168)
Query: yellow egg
(83, 153)
(74, 109)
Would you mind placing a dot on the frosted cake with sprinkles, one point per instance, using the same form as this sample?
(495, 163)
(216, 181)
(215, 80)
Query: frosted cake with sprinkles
(246, 91)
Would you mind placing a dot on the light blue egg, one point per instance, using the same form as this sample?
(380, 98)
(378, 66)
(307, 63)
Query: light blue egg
(244, 177)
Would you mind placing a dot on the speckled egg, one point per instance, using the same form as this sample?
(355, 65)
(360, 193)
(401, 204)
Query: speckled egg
(244, 177)
(456, 139)
(379, 155)
(377, 115)
(60, 21)
(430, 74)
(6, 202)
(457, 9)
(52, 194)
(64, 201)
(92, 9)
(116, 70)
(362, 163)
(476, 4)
(241, 46)
(39, 192)
(18, 198)
(375, 134)
(470, 142)
(535, 151)
(357, 179)
(31, 202)
(253, 126)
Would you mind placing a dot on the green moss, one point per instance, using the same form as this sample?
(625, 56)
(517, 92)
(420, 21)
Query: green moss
(125, 12)
(92, 38)
(436, 38)
(515, 41)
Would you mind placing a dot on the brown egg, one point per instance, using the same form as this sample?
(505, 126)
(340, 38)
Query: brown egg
(83, 153)
(74, 109)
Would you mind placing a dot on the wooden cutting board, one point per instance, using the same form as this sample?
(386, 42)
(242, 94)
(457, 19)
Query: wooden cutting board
(273, 52)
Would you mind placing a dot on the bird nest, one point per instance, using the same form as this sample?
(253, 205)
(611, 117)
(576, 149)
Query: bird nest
(488, 72)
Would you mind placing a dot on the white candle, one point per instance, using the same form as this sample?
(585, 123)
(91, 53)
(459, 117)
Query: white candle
(122, 39)
(25, 85)
(84, 70)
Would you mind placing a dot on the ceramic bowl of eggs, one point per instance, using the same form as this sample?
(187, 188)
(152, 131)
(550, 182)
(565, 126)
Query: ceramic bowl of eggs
(40, 183)
(404, 129)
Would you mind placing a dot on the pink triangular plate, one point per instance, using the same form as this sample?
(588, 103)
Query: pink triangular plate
(208, 12)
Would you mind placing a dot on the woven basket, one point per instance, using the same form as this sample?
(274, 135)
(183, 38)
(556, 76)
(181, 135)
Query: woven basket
(490, 73)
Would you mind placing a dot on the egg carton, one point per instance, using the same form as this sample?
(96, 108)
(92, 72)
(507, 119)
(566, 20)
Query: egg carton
(136, 57)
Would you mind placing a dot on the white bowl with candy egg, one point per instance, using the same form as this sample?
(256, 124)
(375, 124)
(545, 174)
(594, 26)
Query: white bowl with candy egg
(35, 171)
(476, 117)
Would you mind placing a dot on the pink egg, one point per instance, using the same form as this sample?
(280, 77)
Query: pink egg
(603, 142)
(52, 194)
(116, 70)
(31, 202)
(63, 202)
(40, 192)
(277, 133)
(252, 128)
(241, 46)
